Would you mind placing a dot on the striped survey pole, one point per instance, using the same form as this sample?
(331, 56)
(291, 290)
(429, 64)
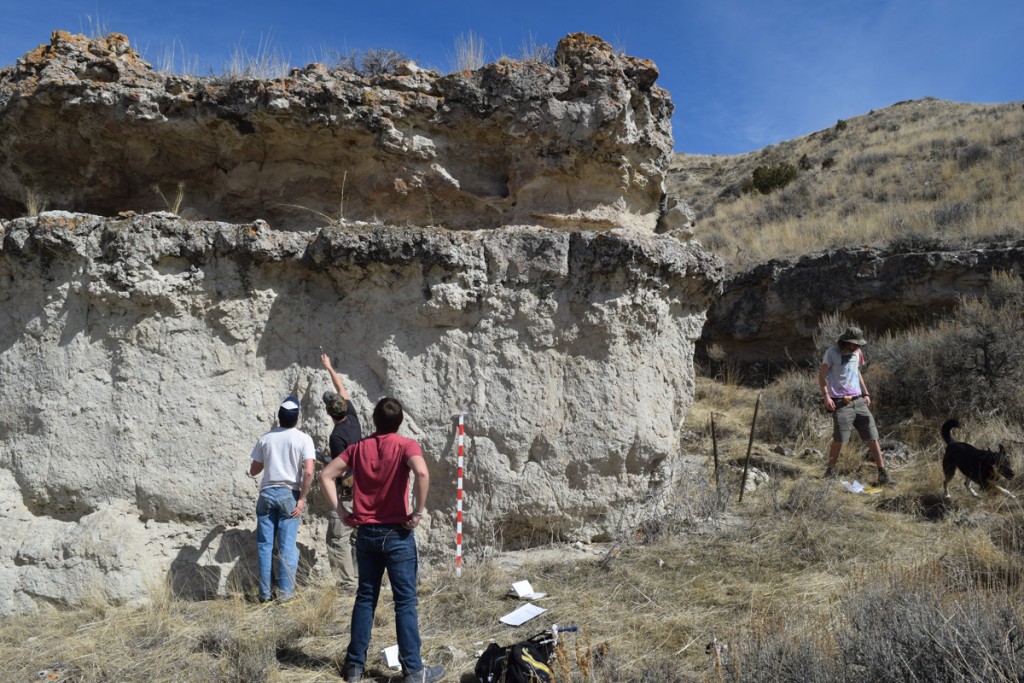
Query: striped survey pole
(458, 501)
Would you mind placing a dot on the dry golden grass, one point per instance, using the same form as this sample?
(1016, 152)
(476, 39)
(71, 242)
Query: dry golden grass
(792, 568)
(926, 167)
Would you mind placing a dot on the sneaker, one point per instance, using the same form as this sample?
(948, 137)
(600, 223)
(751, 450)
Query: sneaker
(830, 472)
(353, 673)
(288, 599)
(427, 674)
(883, 478)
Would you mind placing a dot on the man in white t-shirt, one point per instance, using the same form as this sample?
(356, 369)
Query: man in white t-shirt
(285, 456)
(846, 396)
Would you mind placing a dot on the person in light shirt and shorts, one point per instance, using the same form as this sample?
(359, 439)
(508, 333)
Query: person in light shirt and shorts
(846, 396)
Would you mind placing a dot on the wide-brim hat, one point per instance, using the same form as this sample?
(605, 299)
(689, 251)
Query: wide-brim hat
(853, 335)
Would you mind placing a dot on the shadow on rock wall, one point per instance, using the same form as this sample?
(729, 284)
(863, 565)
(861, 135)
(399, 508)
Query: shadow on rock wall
(197, 573)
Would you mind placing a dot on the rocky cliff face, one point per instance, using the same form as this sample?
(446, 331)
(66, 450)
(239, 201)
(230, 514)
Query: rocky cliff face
(141, 358)
(142, 355)
(771, 311)
(87, 125)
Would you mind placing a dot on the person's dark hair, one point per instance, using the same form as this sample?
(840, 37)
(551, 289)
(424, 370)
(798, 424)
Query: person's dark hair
(388, 415)
(287, 418)
(288, 413)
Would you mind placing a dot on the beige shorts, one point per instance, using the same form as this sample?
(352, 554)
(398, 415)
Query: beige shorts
(856, 414)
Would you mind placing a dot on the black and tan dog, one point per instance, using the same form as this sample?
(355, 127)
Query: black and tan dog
(979, 466)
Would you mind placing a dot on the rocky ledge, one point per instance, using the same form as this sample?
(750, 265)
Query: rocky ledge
(583, 143)
(771, 311)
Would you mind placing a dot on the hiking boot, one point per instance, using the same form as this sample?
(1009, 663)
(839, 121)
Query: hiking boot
(883, 478)
(427, 674)
(830, 472)
(353, 673)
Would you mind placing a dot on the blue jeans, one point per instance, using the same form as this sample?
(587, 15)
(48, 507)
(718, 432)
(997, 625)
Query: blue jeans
(273, 519)
(391, 547)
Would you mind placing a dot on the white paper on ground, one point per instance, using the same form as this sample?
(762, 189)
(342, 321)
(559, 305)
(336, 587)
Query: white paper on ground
(390, 655)
(522, 615)
(855, 487)
(524, 591)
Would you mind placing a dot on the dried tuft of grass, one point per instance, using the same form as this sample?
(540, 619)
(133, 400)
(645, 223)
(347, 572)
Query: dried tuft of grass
(469, 51)
(266, 63)
(35, 202)
(174, 206)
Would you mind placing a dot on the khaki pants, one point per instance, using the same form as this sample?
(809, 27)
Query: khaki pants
(340, 545)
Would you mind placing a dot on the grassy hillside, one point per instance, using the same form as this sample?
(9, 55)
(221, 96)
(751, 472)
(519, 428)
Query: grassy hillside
(922, 169)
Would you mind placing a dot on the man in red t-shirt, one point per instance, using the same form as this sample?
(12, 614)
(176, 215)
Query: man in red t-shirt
(380, 465)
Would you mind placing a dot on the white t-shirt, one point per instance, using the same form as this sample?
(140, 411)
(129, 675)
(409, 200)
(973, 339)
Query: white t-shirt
(843, 376)
(283, 452)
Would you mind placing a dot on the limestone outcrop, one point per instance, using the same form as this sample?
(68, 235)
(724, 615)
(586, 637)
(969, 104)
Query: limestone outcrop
(771, 311)
(87, 125)
(141, 357)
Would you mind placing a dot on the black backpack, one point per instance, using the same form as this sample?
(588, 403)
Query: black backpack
(522, 662)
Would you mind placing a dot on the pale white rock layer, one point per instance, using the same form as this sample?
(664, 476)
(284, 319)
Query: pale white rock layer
(141, 358)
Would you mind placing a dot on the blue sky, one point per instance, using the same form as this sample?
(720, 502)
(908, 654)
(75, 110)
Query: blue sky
(743, 74)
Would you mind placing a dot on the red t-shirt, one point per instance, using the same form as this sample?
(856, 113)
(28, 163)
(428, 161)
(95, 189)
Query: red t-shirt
(380, 470)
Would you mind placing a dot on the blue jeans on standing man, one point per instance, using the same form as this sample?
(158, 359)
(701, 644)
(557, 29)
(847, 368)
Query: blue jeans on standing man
(273, 519)
(391, 547)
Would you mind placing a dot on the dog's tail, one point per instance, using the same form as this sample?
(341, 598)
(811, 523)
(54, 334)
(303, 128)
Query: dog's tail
(947, 427)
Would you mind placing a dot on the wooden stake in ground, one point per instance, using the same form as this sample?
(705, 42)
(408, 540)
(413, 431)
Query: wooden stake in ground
(714, 452)
(750, 444)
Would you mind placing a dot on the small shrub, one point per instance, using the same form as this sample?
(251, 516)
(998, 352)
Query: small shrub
(840, 126)
(805, 163)
(830, 328)
(917, 242)
(927, 635)
(918, 632)
(940, 149)
(789, 406)
(776, 212)
(969, 363)
(532, 52)
(828, 162)
(971, 155)
(369, 63)
(250, 657)
(956, 215)
(771, 177)
(849, 208)
(868, 162)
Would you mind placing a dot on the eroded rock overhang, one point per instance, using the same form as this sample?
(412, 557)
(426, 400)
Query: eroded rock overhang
(584, 143)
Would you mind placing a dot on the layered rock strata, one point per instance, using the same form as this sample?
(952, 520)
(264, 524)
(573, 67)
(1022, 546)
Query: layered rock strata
(87, 125)
(140, 359)
(771, 312)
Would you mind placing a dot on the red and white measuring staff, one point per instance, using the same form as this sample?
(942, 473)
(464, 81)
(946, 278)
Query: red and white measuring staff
(458, 501)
